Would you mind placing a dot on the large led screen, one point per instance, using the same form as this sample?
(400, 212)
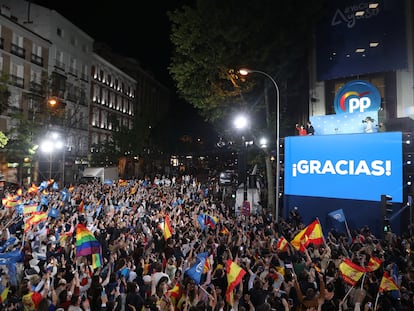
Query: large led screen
(345, 166)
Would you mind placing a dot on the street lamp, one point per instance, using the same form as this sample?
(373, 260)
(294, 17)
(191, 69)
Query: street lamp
(245, 72)
(49, 145)
(241, 122)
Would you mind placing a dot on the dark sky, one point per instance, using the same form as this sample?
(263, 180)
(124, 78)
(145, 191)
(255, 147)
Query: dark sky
(139, 30)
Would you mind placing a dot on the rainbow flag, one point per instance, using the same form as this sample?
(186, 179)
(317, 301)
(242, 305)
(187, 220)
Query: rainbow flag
(387, 283)
(86, 243)
(234, 276)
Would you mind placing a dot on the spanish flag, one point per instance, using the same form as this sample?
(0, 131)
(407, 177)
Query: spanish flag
(175, 292)
(282, 244)
(224, 230)
(33, 189)
(81, 207)
(387, 283)
(167, 228)
(4, 295)
(351, 272)
(311, 234)
(29, 208)
(35, 219)
(373, 264)
(234, 276)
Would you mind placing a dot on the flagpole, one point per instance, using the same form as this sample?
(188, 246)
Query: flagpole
(206, 292)
(376, 301)
(363, 279)
(347, 230)
(346, 295)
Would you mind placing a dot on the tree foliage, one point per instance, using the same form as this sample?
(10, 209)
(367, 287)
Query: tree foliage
(215, 38)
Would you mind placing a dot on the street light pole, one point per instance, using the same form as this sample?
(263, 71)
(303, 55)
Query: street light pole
(245, 72)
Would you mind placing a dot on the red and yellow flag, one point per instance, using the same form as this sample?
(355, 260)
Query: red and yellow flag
(387, 283)
(29, 208)
(351, 272)
(33, 189)
(4, 294)
(175, 292)
(81, 207)
(234, 276)
(282, 244)
(373, 264)
(167, 228)
(224, 230)
(34, 219)
(311, 234)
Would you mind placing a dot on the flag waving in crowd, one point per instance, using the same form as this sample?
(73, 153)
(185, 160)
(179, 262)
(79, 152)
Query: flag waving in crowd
(351, 272)
(87, 244)
(234, 276)
(310, 234)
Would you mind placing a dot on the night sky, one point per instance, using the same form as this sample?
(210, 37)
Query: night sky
(141, 33)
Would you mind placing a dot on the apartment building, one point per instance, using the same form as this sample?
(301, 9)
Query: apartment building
(98, 96)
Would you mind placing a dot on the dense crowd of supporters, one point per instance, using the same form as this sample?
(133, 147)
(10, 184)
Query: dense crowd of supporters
(170, 246)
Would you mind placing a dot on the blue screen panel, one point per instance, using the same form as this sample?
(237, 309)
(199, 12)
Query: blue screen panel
(347, 166)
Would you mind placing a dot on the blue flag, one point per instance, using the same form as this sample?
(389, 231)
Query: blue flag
(338, 215)
(6, 244)
(202, 221)
(65, 195)
(43, 185)
(54, 212)
(44, 200)
(196, 270)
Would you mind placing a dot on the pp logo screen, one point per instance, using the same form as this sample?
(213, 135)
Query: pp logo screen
(357, 96)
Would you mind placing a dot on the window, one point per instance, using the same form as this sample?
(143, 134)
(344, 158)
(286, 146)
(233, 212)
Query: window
(59, 32)
(17, 40)
(37, 50)
(73, 41)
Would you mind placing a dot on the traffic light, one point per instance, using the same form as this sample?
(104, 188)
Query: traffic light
(386, 209)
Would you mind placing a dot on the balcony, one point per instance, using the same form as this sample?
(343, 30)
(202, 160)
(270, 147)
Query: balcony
(17, 81)
(36, 59)
(36, 87)
(73, 71)
(17, 50)
(60, 65)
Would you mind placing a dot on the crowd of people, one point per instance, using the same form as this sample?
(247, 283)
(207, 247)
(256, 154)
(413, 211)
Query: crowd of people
(142, 269)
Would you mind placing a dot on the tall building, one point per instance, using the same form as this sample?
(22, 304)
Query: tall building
(95, 96)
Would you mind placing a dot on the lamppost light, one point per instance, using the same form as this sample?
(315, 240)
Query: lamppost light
(244, 71)
(240, 122)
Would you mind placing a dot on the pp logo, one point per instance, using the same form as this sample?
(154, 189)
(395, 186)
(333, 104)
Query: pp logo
(337, 216)
(357, 97)
(356, 101)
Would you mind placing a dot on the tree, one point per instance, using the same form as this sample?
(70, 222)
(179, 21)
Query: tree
(215, 38)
